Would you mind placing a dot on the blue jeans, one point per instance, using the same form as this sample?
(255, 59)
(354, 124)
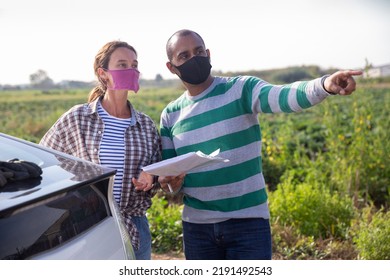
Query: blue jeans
(234, 239)
(144, 251)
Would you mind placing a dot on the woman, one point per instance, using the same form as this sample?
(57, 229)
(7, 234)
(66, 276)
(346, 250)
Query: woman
(109, 131)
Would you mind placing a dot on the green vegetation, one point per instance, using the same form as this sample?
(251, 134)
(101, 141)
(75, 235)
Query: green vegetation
(373, 235)
(29, 114)
(313, 210)
(327, 169)
(165, 225)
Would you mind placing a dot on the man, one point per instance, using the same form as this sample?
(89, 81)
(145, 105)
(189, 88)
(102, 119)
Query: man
(226, 214)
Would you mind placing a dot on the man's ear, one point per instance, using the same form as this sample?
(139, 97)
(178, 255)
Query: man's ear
(170, 67)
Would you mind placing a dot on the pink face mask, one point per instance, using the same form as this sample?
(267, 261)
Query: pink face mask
(125, 79)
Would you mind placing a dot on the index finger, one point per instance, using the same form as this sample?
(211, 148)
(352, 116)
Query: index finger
(352, 72)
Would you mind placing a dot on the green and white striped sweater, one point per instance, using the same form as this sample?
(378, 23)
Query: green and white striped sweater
(225, 117)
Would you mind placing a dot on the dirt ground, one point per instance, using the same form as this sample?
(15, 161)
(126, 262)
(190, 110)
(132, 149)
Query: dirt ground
(168, 256)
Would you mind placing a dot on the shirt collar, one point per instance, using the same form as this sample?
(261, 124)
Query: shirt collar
(92, 109)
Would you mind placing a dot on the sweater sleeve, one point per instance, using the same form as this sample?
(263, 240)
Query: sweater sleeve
(268, 98)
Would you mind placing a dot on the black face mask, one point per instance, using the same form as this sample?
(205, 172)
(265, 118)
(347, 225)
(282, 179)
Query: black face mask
(195, 70)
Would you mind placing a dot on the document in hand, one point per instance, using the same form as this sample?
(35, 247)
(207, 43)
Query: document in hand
(183, 163)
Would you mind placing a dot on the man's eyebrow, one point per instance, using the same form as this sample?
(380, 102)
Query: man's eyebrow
(183, 52)
(196, 49)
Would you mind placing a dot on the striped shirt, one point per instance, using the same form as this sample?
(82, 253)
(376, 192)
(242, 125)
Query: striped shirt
(79, 132)
(112, 147)
(225, 117)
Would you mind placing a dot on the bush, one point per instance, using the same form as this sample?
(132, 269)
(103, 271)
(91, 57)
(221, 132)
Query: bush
(313, 211)
(165, 225)
(373, 236)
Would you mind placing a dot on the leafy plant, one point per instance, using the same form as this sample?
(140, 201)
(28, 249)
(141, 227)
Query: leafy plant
(312, 210)
(373, 235)
(165, 225)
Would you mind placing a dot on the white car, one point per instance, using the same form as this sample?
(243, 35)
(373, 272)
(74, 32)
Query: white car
(67, 213)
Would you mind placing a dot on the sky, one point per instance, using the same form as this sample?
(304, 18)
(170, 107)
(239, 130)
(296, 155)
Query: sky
(62, 37)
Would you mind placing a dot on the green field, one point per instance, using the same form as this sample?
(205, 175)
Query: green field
(327, 169)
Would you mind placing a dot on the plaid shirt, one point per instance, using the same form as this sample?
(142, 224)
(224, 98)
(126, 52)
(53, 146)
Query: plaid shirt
(79, 132)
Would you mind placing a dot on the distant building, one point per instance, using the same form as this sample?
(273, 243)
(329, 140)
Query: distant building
(379, 71)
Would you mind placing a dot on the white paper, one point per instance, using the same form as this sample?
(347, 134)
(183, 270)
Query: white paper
(183, 163)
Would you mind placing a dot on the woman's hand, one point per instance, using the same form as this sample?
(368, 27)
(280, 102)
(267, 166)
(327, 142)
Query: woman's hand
(144, 182)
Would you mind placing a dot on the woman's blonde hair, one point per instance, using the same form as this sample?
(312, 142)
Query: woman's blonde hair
(102, 60)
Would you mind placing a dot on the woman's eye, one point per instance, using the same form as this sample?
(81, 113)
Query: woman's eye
(123, 65)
